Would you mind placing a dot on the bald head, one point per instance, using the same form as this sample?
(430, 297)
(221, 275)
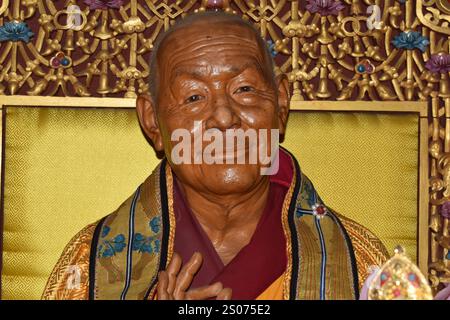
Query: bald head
(203, 25)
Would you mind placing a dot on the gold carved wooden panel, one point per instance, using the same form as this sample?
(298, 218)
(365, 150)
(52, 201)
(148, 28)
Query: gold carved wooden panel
(378, 50)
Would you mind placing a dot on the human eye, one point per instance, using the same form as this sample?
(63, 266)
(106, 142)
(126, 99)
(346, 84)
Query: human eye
(194, 98)
(243, 89)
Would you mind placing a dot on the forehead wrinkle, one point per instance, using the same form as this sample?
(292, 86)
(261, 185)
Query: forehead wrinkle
(211, 70)
(208, 70)
(209, 45)
(196, 60)
(204, 49)
(202, 43)
(201, 33)
(176, 59)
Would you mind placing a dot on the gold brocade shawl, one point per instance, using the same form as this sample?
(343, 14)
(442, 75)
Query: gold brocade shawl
(130, 246)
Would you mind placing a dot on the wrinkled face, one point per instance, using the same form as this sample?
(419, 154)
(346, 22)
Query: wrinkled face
(215, 74)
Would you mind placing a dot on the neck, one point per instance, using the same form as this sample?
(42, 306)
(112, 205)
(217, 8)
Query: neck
(228, 220)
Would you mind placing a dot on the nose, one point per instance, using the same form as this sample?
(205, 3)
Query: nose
(223, 116)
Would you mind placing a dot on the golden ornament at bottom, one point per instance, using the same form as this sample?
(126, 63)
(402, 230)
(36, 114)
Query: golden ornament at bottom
(399, 279)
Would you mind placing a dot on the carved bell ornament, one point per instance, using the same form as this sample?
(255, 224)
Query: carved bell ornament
(399, 279)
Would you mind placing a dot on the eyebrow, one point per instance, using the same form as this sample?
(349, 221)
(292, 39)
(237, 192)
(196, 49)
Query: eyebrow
(198, 73)
(194, 71)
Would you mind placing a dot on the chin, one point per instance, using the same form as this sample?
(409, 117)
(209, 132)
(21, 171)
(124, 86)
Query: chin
(230, 179)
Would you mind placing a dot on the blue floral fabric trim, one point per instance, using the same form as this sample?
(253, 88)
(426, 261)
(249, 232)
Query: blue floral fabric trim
(109, 247)
(151, 244)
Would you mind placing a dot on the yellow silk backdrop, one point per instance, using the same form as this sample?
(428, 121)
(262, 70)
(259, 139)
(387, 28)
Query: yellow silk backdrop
(66, 167)
(365, 166)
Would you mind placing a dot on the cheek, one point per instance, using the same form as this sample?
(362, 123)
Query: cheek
(175, 126)
(260, 115)
(167, 126)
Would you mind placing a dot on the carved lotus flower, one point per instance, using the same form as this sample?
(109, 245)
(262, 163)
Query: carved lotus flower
(324, 7)
(15, 31)
(445, 210)
(103, 4)
(411, 40)
(439, 63)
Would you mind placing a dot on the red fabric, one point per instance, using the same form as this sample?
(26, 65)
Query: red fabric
(259, 263)
(190, 237)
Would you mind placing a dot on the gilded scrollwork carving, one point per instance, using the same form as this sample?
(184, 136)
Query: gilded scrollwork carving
(434, 14)
(382, 50)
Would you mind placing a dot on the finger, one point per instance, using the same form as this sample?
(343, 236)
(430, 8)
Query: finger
(205, 292)
(161, 289)
(172, 272)
(364, 293)
(444, 294)
(225, 294)
(186, 275)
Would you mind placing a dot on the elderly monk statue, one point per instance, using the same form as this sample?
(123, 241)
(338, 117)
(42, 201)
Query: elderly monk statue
(217, 230)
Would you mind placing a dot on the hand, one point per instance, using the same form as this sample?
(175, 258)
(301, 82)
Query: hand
(444, 294)
(364, 294)
(173, 284)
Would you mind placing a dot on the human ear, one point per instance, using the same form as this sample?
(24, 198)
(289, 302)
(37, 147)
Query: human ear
(145, 108)
(282, 84)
